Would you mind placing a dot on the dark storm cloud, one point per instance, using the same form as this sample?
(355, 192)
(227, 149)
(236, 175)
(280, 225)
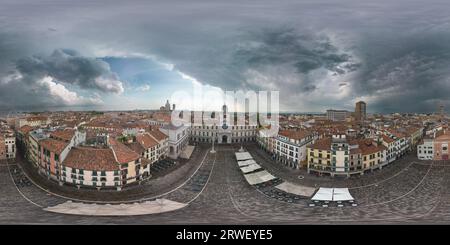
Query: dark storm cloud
(305, 51)
(68, 66)
(297, 52)
(413, 75)
(39, 82)
(331, 53)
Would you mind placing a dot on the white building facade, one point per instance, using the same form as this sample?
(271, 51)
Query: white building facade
(425, 151)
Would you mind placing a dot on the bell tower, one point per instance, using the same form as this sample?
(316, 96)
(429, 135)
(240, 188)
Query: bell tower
(224, 119)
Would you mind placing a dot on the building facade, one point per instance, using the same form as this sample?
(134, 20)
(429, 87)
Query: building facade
(337, 115)
(227, 133)
(339, 155)
(290, 147)
(425, 150)
(178, 139)
(360, 111)
(435, 148)
(7, 146)
(35, 121)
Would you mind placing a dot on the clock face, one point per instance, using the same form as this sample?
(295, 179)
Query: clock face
(224, 126)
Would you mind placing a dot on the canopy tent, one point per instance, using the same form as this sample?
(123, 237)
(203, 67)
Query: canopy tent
(332, 194)
(250, 168)
(258, 177)
(298, 190)
(246, 162)
(342, 194)
(323, 194)
(241, 156)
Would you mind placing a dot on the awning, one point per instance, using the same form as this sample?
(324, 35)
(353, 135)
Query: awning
(246, 162)
(342, 194)
(250, 168)
(332, 194)
(258, 177)
(241, 156)
(323, 194)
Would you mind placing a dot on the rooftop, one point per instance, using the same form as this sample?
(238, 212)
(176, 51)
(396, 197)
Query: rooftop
(56, 146)
(123, 153)
(146, 140)
(65, 135)
(91, 159)
(158, 135)
(296, 135)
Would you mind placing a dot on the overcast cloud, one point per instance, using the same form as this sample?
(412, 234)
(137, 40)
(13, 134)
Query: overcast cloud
(320, 54)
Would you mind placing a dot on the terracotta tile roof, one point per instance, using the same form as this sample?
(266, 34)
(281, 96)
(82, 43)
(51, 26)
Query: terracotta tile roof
(355, 151)
(56, 146)
(411, 130)
(162, 117)
(322, 144)
(91, 159)
(25, 129)
(136, 147)
(387, 139)
(443, 137)
(66, 134)
(396, 133)
(368, 148)
(296, 135)
(123, 153)
(146, 141)
(352, 141)
(158, 135)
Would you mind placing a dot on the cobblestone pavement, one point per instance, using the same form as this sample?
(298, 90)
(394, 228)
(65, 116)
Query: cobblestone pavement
(407, 191)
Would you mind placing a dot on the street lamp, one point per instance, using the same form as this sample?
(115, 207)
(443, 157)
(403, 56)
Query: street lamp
(213, 139)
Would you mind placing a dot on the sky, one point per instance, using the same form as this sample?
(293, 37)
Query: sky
(125, 55)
